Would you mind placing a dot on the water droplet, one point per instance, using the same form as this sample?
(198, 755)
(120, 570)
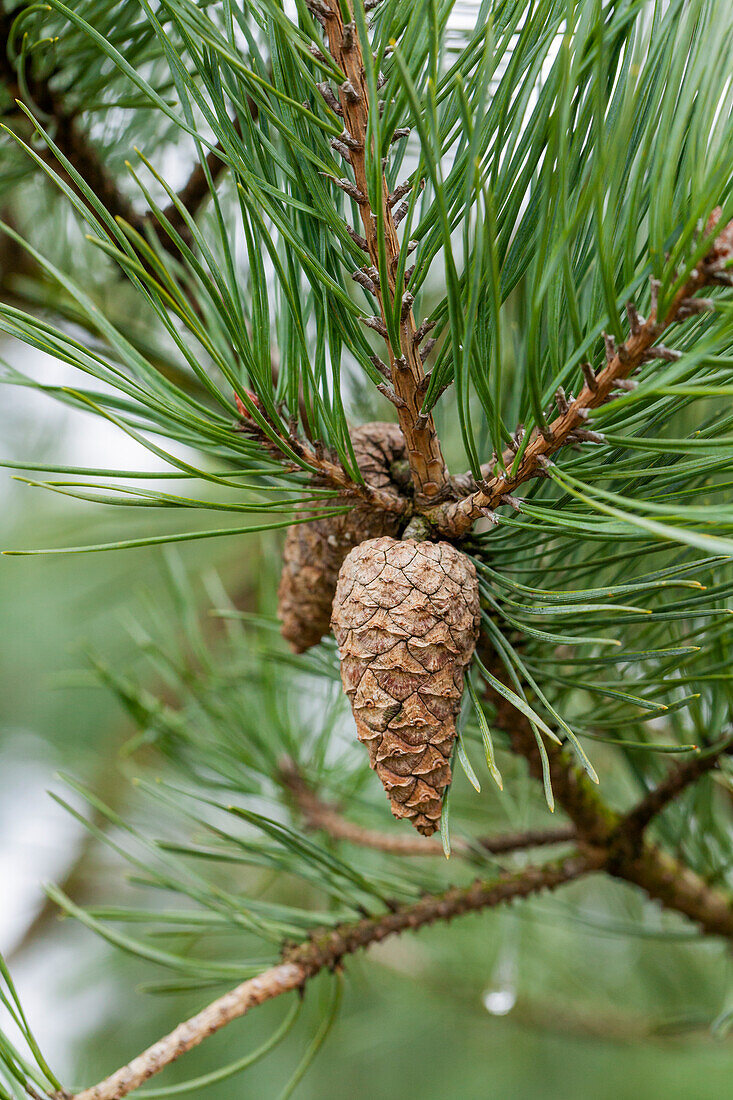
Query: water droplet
(499, 1002)
(500, 997)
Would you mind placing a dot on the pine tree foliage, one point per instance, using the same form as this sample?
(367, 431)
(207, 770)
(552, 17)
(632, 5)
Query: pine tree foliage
(535, 180)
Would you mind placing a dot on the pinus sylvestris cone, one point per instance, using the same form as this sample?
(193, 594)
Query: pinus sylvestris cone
(314, 551)
(406, 619)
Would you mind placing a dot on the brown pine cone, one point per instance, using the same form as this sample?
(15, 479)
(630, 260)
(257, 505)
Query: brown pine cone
(314, 551)
(406, 619)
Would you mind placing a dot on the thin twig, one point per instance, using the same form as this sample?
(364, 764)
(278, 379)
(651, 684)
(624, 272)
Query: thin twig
(324, 468)
(69, 137)
(678, 779)
(456, 519)
(196, 189)
(326, 950)
(74, 143)
(325, 816)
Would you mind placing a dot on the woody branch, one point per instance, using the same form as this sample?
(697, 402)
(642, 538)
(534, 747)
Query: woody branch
(319, 814)
(405, 371)
(607, 842)
(456, 519)
(323, 464)
(71, 138)
(627, 854)
(326, 951)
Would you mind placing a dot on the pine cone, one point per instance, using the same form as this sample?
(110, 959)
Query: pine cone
(314, 551)
(406, 619)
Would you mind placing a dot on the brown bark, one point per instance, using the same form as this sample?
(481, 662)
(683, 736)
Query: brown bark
(326, 816)
(456, 519)
(326, 951)
(405, 363)
(624, 851)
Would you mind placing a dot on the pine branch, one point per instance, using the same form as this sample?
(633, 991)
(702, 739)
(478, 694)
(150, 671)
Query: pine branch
(195, 190)
(405, 363)
(623, 850)
(327, 950)
(74, 143)
(456, 519)
(325, 816)
(68, 135)
(675, 782)
(78, 149)
(324, 466)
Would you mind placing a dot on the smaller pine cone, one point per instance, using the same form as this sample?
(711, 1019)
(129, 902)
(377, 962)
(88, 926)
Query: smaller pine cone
(314, 551)
(406, 619)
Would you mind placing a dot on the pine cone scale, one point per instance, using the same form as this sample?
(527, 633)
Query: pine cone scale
(406, 616)
(314, 551)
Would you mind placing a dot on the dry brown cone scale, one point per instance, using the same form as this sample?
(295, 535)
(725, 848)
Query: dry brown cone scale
(314, 551)
(406, 619)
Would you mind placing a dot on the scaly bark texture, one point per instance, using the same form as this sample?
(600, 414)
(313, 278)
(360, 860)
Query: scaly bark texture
(326, 950)
(406, 619)
(405, 371)
(314, 551)
(455, 519)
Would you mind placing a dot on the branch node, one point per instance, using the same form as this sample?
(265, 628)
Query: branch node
(422, 330)
(427, 348)
(363, 280)
(318, 10)
(362, 242)
(582, 435)
(381, 367)
(330, 99)
(561, 401)
(349, 92)
(400, 213)
(661, 351)
(691, 306)
(352, 143)
(377, 324)
(340, 148)
(391, 395)
(636, 321)
(348, 187)
(590, 376)
(654, 286)
(318, 54)
(400, 191)
(545, 461)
